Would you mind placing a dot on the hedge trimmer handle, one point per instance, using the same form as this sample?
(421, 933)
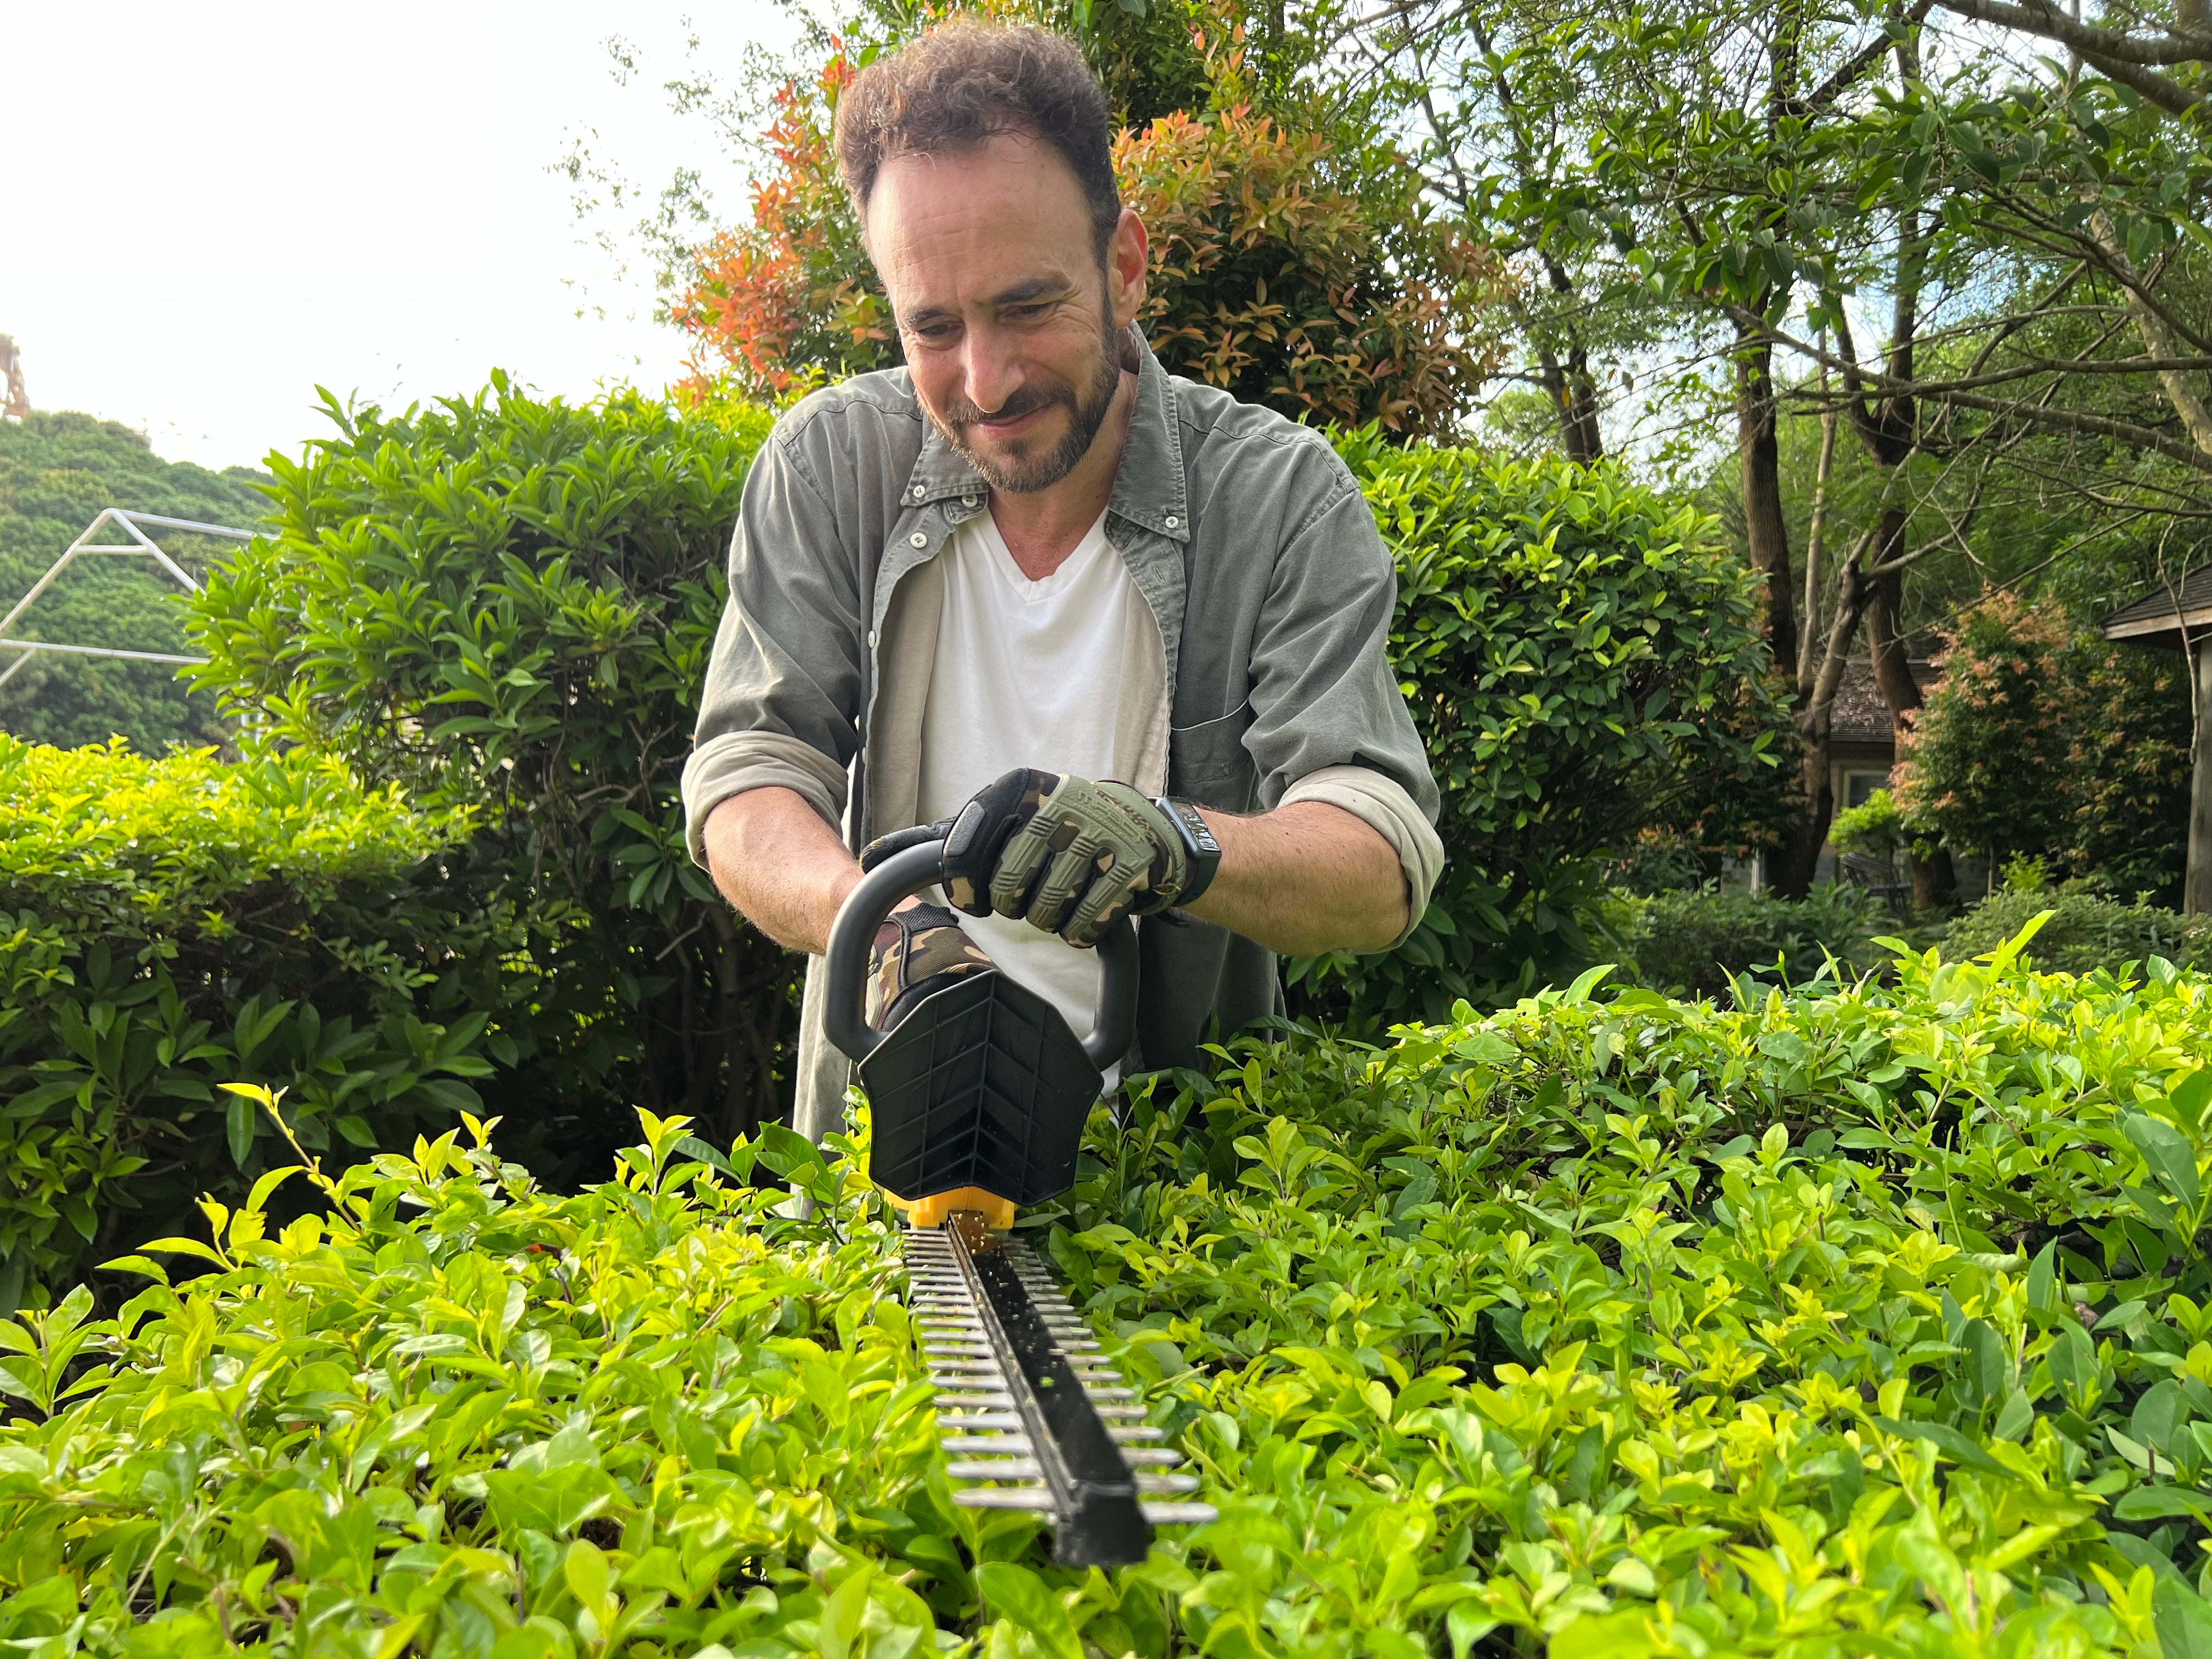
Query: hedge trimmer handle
(912, 870)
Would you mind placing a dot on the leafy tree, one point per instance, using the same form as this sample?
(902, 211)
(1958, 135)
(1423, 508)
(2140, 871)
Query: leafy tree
(505, 604)
(58, 470)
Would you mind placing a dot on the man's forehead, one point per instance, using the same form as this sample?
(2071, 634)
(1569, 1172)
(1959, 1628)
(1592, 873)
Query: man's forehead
(1011, 190)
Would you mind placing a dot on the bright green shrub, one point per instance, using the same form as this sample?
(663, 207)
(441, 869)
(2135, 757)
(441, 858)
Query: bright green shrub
(169, 925)
(505, 605)
(1861, 1320)
(1582, 660)
(2085, 932)
(1693, 942)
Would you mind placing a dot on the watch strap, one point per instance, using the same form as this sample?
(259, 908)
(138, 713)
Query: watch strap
(1200, 849)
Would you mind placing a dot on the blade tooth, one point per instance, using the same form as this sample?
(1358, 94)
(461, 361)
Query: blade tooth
(1108, 1410)
(1152, 1457)
(1150, 1483)
(977, 1397)
(1005, 1497)
(1172, 1515)
(1110, 1393)
(997, 1468)
(942, 1369)
(957, 1350)
(1134, 1431)
(948, 1425)
(1009, 1444)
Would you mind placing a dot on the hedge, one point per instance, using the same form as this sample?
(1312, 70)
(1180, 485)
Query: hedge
(1866, 1319)
(169, 925)
(1581, 659)
(505, 604)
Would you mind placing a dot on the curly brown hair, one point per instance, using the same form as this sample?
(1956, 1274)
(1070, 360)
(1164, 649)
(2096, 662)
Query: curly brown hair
(964, 83)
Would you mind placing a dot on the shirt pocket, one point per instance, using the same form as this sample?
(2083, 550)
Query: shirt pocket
(1208, 762)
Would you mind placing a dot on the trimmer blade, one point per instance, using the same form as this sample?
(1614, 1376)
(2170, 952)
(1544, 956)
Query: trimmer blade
(1026, 1397)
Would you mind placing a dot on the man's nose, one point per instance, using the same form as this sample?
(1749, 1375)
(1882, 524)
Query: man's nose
(994, 369)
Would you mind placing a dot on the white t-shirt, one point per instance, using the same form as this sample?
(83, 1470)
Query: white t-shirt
(1029, 674)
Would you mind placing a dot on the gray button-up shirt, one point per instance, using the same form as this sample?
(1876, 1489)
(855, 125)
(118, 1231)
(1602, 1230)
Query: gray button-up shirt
(1250, 543)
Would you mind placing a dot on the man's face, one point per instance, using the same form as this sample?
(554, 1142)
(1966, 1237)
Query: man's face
(1010, 325)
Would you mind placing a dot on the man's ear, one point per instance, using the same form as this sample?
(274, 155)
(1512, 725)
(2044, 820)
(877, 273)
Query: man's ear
(1127, 254)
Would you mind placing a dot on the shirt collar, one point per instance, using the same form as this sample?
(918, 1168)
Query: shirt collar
(1148, 487)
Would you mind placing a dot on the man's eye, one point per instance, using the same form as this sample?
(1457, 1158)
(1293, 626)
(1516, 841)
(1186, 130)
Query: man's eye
(1025, 314)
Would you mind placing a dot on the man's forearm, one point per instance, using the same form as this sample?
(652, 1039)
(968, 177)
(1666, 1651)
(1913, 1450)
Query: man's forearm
(783, 868)
(1305, 879)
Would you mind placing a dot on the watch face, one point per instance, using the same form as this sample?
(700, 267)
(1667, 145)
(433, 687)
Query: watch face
(1196, 826)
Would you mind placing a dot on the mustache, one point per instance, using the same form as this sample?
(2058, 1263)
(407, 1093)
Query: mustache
(1025, 400)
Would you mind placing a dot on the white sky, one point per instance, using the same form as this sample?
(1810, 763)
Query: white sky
(206, 211)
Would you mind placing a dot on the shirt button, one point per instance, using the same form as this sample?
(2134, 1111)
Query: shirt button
(917, 492)
(1171, 521)
(967, 500)
(917, 539)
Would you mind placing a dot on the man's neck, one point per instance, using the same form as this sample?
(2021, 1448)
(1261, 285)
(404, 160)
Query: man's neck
(1041, 529)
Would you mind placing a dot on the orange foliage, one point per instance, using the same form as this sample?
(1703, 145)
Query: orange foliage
(790, 295)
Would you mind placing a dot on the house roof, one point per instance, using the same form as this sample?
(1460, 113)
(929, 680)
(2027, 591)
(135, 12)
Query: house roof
(1858, 713)
(2170, 611)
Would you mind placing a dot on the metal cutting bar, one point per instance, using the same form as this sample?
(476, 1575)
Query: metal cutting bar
(1025, 1401)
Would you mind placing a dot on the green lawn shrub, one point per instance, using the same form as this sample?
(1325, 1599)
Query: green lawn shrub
(1693, 941)
(2085, 931)
(169, 925)
(1869, 1319)
(1582, 661)
(505, 604)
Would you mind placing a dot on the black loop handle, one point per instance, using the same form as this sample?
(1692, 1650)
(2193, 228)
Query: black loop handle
(908, 872)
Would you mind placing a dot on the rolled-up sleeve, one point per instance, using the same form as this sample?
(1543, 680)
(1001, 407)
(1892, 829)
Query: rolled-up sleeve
(781, 702)
(1328, 721)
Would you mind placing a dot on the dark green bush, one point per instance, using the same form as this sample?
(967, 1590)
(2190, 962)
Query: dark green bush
(1582, 661)
(2045, 740)
(1691, 942)
(169, 925)
(2085, 931)
(505, 604)
(1869, 1320)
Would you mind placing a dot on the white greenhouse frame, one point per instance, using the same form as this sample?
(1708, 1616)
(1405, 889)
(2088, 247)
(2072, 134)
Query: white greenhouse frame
(141, 545)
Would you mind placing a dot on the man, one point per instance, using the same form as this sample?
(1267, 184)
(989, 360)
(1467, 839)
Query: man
(1085, 614)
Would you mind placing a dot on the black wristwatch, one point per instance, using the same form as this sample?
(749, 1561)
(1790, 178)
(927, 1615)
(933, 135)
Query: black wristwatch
(1199, 847)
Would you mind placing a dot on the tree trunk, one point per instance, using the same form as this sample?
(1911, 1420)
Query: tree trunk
(1767, 535)
(1935, 881)
(2158, 339)
(1799, 858)
(2197, 885)
(1809, 625)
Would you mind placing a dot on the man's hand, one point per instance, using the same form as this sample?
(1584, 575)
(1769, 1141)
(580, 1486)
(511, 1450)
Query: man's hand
(1067, 855)
(918, 949)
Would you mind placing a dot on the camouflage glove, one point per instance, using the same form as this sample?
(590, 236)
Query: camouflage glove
(1066, 855)
(917, 950)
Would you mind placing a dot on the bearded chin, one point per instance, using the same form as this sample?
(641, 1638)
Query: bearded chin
(1025, 474)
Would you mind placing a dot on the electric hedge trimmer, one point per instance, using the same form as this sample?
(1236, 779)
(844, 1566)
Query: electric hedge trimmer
(980, 1094)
